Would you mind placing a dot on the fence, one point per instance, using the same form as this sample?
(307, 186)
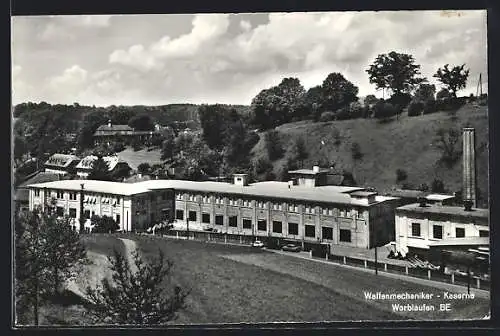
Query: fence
(416, 272)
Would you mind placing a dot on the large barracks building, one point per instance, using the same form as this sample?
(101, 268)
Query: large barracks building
(305, 209)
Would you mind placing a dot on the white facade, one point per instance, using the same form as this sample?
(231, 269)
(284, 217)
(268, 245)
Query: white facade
(418, 230)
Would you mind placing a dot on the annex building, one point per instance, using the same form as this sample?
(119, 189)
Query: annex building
(299, 210)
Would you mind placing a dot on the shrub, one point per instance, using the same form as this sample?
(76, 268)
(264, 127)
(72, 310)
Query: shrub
(401, 175)
(430, 106)
(400, 100)
(104, 224)
(437, 186)
(443, 94)
(356, 151)
(144, 168)
(384, 110)
(262, 165)
(327, 116)
(415, 108)
(118, 147)
(274, 146)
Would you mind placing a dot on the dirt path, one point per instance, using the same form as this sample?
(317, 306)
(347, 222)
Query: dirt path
(130, 247)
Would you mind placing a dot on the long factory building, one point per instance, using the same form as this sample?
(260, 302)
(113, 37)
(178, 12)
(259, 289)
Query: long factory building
(306, 210)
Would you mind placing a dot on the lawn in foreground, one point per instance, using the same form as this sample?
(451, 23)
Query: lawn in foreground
(232, 284)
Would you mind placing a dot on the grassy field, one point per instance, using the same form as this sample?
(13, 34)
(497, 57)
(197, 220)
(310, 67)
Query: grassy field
(408, 143)
(232, 284)
(134, 159)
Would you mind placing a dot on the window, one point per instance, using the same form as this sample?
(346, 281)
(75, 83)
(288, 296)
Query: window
(327, 233)
(219, 200)
(437, 231)
(179, 214)
(192, 216)
(72, 196)
(86, 214)
(277, 206)
(324, 211)
(206, 199)
(484, 233)
(415, 229)
(293, 228)
(72, 212)
(164, 195)
(247, 223)
(179, 197)
(205, 218)
(277, 227)
(60, 211)
(261, 205)
(37, 192)
(233, 221)
(330, 212)
(345, 235)
(219, 219)
(118, 219)
(459, 232)
(118, 201)
(262, 225)
(310, 231)
(247, 203)
(60, 194)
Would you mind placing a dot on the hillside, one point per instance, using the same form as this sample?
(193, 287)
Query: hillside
(408, 143)
(134, 159)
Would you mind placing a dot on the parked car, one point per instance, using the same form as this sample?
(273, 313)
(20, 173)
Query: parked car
(257, 243)
(291, 248)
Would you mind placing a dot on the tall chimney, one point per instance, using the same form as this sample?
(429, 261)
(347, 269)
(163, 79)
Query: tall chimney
(469, 168)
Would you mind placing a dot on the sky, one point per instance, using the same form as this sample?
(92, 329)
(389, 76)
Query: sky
(227, 58)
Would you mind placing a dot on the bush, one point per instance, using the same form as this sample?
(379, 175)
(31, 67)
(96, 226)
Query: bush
(384, 110)
(262, 165)
(104, 224)
(437, 186)
(356, 151)
(118, 147)
(327, 116)
(273, 145)
(401, 100)
(430, 106)
(415, 108)
(144, 168)
(401, 175)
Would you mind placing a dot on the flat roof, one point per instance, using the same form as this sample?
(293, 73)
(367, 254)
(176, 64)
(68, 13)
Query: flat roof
(362, 193)
(309, 171)
(462, 241)
(271, 189)
(444, 209)
(439, 197)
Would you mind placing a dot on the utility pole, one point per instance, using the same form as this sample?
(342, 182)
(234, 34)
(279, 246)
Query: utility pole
(376, 254)
(82, 219)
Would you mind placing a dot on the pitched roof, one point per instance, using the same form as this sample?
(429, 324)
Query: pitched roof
(61, 160)
(86, 162)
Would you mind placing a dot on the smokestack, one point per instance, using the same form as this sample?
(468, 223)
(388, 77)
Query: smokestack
(469, 168)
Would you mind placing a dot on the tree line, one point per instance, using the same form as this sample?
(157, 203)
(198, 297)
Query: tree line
(337, 98)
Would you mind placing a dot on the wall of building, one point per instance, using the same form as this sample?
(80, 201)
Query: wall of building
(337, 217)
(405, 240)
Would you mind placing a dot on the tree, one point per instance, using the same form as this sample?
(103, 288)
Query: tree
(142, 122)
(100, 170)
(168, 145)
(337, 92)
(141, 297)
(274, 146)
(443, 94)
(395, 71)
(447, 140)
(425, 92)
(47, 252)
(370, 100)
(144, 168)
(453, 79)
(104, 224)
(356, 151)
(297, 151)
(383, 110)
(401, 175)
(312, 101)
(278, 104)
(437, 186)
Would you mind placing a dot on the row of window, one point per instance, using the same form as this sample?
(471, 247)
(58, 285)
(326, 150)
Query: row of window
(277, 226)
(275, 206)
(437, 231)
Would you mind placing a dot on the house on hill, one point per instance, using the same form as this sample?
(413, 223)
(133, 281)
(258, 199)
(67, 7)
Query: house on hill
(110, 132)
(61, 163)
(115, 164)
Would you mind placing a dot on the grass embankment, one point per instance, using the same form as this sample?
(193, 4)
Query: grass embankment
(232, 284)
(408, 143)
(68, 309)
